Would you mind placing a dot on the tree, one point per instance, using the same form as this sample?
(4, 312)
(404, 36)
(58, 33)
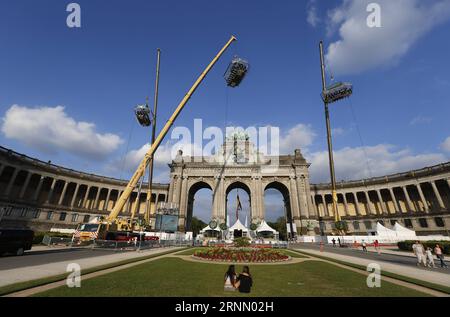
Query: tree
(280, 226)
(197, 225)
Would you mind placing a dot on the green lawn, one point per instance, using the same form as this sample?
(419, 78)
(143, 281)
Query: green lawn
(293, 254)
(176, 277)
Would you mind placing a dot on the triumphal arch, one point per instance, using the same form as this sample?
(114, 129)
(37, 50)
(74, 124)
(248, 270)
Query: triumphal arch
(238, 164)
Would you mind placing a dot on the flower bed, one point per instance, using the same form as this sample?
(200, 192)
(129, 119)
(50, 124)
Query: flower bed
(250, 255)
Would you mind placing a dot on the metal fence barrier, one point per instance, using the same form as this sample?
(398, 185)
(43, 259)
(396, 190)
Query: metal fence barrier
(49, 241)
(137, 245)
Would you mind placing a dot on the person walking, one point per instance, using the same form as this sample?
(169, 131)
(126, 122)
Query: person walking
(244, 281)
(230, 279)
(364, 246)
(376, 245)
(429, 256)
(419, 252)
(339, 241)
(440, 255)
(334, 242)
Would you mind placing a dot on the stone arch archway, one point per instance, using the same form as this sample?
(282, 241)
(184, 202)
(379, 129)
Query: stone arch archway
(193, 189)
(284, 190)
(238, 184)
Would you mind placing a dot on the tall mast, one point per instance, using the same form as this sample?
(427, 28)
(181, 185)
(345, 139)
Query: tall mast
(150, 168)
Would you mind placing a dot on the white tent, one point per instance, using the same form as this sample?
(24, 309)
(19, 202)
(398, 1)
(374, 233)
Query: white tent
(403, 232)
(238, 226)
(264, 227)
(382, 231)
(208, 228)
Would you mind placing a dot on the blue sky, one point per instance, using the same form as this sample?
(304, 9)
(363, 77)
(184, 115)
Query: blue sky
(99, 72)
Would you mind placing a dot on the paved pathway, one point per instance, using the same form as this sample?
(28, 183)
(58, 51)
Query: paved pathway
(32, 272)
(429, 275)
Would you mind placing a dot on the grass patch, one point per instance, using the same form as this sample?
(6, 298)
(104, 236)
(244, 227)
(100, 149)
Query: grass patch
(16, 287)
(176, 277)
(437, 287)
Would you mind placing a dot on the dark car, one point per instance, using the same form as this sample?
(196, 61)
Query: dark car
(15, 241)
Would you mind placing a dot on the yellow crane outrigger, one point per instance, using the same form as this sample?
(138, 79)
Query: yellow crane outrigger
(111, 222)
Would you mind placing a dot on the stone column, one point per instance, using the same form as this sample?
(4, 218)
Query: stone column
(25, 185)
(1, 169)
(382, 203)
(394, 201)
(347, 213)
(171, 186)
(438, 195)
(63, 193)
(75, 194)
(422, 198)
(119, 193)
(301, 193)
(355, 197)
(97, 196)
(156, 204)
(88, 189)
(408, 200)
(325, 207)
(296, 212)
(108, 195)
(11, 182)
(259, 195)
(312, 212)
(183, 197)
(314, 206)
(369, 204)
(50, 192)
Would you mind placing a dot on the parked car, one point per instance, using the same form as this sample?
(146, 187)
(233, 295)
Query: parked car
(15, 241)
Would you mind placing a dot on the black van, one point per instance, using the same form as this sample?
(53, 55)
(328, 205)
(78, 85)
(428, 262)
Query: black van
(15, 241)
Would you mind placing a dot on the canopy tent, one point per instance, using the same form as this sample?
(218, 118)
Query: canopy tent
(265, 231)
(382, 231)
(404, 232)
(238, 226)
(264, 227)
(208, 228)
(209, 232)
(237, 230)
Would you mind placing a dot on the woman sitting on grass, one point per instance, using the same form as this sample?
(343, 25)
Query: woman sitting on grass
(244, 281)
(230, 279)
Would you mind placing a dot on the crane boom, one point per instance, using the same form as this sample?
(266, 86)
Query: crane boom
(141, 168)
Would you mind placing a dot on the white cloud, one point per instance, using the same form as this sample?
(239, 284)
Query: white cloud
(420, 120)
(311, 13)
(350, 162)
(163, 156)
(299, 137)
(445, 146)
(361, 48)
(50, 129)
(383, 159)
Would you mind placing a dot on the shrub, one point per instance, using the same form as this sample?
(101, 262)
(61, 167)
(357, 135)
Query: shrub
(241, 242)
(407, 245)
